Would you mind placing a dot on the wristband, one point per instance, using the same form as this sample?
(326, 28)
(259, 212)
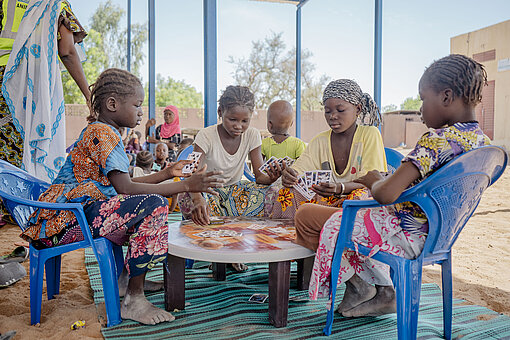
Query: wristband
(339, 195)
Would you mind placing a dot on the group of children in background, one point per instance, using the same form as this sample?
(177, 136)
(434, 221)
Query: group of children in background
(352, 149)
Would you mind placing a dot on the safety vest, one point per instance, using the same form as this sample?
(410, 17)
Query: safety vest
(13, 13)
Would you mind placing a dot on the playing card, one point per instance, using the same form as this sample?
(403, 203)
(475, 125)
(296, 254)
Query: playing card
(288, 161)
(302, 188)
(323, 176)
(258, 298)
(265, 166)
(190, 168)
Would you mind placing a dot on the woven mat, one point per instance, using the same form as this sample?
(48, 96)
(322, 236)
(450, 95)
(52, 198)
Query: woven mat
(220, 310)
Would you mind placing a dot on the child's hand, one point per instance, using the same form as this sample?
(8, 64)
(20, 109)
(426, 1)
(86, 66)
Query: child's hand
(275, 171)
(369, 179)
(175, 170)
(325, 189)
(202, 181)
(150, 122)
(201, 212)
(289, 177)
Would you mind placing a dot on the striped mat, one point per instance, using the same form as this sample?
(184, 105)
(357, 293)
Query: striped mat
(220, 310)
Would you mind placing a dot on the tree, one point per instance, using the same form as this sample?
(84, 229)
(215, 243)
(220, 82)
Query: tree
(389, 108)
(412, 104)
(175, 92)
(105, 47)
(270, 73)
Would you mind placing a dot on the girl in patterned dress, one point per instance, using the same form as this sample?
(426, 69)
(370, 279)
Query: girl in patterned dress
(449, 89)
(122, 209)
(352, 146)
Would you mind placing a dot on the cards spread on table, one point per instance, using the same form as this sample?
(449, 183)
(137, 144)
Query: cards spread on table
(190, 168)
(273, 161)
(309, 178)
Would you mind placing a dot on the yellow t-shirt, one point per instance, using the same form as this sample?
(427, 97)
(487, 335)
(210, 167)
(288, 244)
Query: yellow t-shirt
(367, 153)
(292, 147)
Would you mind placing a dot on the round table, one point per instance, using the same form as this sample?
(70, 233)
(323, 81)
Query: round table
(238, 240)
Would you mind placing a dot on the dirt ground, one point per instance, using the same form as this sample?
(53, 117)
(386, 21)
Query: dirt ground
(481, 273)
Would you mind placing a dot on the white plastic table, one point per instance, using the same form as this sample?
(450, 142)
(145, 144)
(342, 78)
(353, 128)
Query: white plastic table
(238, 240)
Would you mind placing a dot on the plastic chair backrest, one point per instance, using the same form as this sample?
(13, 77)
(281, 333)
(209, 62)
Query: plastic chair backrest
(451, 194)
(22, 185)
(185, 153)
(393, 159)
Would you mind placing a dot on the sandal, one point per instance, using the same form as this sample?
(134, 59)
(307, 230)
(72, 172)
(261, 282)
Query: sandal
(20, 254)
(10, 273)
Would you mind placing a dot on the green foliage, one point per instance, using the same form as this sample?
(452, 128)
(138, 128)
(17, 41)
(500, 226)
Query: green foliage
(270, 74)
(175, 92)
(105, 47)
(411, 103)
(389, 108)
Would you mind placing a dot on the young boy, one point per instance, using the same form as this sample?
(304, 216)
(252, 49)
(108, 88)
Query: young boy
(279, 119)
(161, 157)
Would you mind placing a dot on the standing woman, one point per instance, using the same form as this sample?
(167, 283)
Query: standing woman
(168, 132)
(38, 37)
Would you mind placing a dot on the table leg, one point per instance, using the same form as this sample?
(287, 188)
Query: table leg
(279, 282)
(304, 271)
(219, 271)
(174, 277)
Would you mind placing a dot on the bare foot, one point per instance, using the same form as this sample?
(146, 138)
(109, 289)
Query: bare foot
(137, 308)
(239, 267)
(148, 286)
(356, 292)
(384, 302)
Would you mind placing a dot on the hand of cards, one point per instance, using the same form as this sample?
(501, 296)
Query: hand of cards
(190, 168)
(309, 178)
(273, 161)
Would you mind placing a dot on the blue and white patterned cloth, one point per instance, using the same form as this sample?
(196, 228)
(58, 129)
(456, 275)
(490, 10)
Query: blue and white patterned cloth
(32, 87)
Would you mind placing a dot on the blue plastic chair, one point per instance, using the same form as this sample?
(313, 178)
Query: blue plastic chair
(393, 159)
(448, 197)
(19, 192)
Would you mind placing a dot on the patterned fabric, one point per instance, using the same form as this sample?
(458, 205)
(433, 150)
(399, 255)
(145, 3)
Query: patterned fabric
(398, 229)
(137, 220)
(434, 149)
(38, 115)
(377, 228)
(350, 91)
(69, 20)
(282, 202)
(83, 178)
(244, 198)
(11, 143)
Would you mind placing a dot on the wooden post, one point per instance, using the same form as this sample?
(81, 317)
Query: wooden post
(304, 271)
(279, 282)
(174, 277)
(219, 271)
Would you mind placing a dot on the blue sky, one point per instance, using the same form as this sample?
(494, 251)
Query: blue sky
(340, 34)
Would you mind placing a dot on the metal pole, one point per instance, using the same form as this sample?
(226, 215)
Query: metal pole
(128, 59)
(377, 51)
(210, 63)
(298, 71)
(152, 64)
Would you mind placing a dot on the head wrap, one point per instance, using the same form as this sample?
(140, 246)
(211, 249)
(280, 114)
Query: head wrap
(350, 91)
(168, 130)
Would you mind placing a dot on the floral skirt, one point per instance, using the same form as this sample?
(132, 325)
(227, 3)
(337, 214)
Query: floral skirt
(244, 198)
(377, 228)
(140, 221)
(282, 202)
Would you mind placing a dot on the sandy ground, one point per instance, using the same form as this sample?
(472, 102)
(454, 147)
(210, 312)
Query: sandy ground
(480, 268)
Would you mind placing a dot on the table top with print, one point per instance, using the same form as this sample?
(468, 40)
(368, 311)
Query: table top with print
(236, 239)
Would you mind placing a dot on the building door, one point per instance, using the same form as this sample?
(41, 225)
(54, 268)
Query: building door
(485, 110)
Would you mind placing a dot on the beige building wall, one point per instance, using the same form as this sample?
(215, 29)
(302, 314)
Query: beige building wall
(491, 47)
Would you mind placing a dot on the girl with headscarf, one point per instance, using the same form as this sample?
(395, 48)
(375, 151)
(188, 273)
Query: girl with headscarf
(168, 132)
(350, 148)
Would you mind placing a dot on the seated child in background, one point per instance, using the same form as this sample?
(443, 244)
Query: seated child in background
(279, 119)
(143, 165)
(134, 146)
(184, 144)
(450, 89)
(161, 157)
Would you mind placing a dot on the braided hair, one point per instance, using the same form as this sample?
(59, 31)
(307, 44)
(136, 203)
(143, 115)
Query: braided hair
(350, 91)
(144, 159)
(462, 74)
(111, 82)
(236, 96)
